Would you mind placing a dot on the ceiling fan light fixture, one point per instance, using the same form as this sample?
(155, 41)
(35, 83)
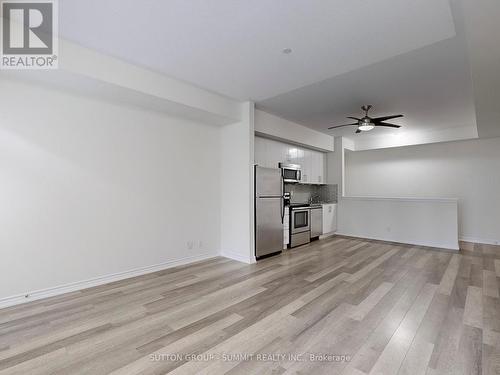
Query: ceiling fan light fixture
(366, 126)
(368, 123)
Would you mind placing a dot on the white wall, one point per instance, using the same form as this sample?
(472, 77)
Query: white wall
(467, 170)
(272, 126)
(335, 163)
(411, 221)
(237, 196)
(404, 137)
(423, 222)
(89, 188)
(103, 68)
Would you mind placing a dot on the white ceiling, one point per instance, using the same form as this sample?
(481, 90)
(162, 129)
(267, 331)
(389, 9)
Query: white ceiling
(431, 86)
(234, 47)
(482, 27)
(447, 91)
(435, 61)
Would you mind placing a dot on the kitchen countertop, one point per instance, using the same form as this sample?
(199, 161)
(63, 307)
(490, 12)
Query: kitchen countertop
(311, 205)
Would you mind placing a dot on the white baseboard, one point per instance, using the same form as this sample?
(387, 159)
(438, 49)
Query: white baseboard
(423, 243)
(324, 236)
(479, 240)
(96, 281)
(237, 257)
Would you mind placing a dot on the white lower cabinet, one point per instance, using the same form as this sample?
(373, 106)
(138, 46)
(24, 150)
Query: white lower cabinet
(286, 228)
(329, 218)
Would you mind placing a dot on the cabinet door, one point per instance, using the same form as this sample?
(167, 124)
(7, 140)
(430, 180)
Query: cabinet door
(334, 223)
(267, 156)
(306, 164)
(260, 151)
(286, 229)
(316, 222)
(318, 167)
(286, 155)
(292, 154)
(329, 218)
(321, 167)
(314, 167)
(274, 152)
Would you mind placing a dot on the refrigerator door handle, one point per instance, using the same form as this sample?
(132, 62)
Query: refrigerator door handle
(282, 205)
(282, 200)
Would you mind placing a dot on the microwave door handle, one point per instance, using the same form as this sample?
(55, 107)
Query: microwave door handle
(299, 175)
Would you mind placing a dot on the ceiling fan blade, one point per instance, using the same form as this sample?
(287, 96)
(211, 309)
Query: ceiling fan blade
(388, 125)
(384, 118)
(340, 126)
(358, 131)
(354, 118)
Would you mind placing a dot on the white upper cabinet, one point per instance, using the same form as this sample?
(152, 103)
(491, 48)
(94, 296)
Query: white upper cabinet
(286, 156)
(260, 151)
(322, 168)
(306, 166)
(275, 154)
(293, 154)
(269, 153)
(318, 167)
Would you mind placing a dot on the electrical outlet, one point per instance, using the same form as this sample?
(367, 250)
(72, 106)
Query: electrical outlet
(190, 245)
(200, 244)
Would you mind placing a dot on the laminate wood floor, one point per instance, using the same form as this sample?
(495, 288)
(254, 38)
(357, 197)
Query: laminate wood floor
(337, 306)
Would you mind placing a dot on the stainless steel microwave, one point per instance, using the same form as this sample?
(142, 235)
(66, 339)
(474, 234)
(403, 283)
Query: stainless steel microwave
(290, 172)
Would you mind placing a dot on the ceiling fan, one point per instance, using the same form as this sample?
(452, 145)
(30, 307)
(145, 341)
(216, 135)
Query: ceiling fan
(367, 123)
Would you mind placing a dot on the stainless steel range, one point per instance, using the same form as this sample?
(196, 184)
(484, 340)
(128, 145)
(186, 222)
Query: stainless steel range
(300, 225)
(306, 223)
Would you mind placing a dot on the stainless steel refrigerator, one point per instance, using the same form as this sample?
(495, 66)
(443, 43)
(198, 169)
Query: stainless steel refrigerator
(269, 211)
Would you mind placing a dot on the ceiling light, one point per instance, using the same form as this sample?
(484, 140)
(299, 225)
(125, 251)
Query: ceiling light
(287, 51)
(366, 126)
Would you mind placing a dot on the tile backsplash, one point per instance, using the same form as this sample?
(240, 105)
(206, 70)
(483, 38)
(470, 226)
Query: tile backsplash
(301, 193)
